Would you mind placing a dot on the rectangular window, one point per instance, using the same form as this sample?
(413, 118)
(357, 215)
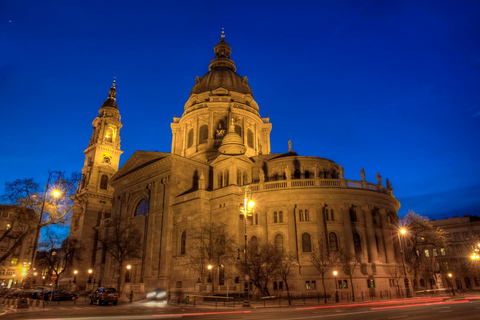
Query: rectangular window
(370, 283)
(14, 261)
(465, 235)
(435, 252)
(340, 284)
(280, 285)
(307, 285)
(427, 253)
(275, 287)
(179, 284)
(314, 285)
(345, 284)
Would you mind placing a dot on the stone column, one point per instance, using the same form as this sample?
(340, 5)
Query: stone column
(371, 243)
(347, 227)
(387, 236)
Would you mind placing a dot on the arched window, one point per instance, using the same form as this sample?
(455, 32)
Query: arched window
(422, 283)
(468, 283)
(376, 242)
(239, 177)
(332, 241)
(353, 215)
(190, 138)
(253, 240)
(306, 242)
(279, 243)
(220, 179)
(357, 243)
(280, 216)
(275, 217)
(227, 178)
(256, 218)
(307, 216)
(238, 130)
(109, 134)
(142, 208)
(300, 215)
(183, 242)
(332, 215)
(245, 178)
(250, 138)
(253, 244)
(104, 182)
(326, 215)
(203, 134)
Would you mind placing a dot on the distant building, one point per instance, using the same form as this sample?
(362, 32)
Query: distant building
(16, 265)
(221, 144)
(456, 258)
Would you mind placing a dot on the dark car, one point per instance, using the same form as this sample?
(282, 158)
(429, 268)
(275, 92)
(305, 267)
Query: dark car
(104, 296)
(58, 295)
(158, 294)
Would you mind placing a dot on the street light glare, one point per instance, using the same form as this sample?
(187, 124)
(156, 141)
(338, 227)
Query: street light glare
(209, 267)
(90, 270)
(56, 193)
(129, 267)
(334, 273)
(251, 204)
(403, 231)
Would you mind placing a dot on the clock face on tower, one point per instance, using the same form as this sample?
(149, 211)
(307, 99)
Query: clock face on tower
(107, 159)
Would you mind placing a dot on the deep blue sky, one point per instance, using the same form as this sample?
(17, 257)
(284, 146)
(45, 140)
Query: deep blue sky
(392, 86)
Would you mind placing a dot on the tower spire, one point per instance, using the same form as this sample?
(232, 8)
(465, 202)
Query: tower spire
(111, 100)
(223, 33)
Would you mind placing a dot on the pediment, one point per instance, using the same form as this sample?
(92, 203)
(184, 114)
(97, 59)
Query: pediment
(222, 158)
(139, 160)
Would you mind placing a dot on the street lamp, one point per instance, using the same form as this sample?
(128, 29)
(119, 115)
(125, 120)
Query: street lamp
(75, 276)
(403, 231)
(90, 271)
(209, 267)
(248, 205)
(129, 267)
(336, 289)
(451, 282)
(56, 193)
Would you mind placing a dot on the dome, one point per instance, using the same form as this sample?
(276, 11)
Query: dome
(221, 74)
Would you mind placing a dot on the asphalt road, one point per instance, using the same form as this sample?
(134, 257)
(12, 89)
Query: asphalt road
(389, 310)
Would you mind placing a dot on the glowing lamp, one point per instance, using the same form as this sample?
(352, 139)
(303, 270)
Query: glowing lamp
(403, 231)
(90, 271)
(75, 272)
(250, 204)
(129, 267)
(209, 267)
(335, 273)
(56, 193)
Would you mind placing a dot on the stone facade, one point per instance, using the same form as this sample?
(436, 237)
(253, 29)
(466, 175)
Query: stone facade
(219, 145)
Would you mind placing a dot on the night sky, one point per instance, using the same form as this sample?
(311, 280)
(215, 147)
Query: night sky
(392, 86)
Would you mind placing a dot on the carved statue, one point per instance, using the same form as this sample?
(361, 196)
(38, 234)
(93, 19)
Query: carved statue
(290, 145)
(341, 173)
(262, 175)
(288, 173)
(389, 185)
(315, 171)
(379, 179)
(362, 174)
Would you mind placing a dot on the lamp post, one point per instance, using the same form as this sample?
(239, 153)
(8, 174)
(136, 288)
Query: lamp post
(75, 276)
(247, 208)
(209, 267)
(90, 271)
(451, 282)
(336, 288)
(403, 231)
(129, 267)
(56, 193)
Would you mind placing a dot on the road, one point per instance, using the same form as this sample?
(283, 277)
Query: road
(417, 309)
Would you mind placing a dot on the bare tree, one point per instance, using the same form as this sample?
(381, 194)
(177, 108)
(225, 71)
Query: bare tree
(421, 234)
(287, 263)
(324, 260)
(396, 272)
(28, 201)
(122, 241)
(211, 244)
(349, 264)
(58, 255)
(263, 260)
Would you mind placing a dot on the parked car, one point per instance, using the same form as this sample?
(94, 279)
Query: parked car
(58, 295)
(158, 294)
(104, 296)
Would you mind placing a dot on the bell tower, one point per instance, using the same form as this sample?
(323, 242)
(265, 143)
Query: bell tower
(93, 199)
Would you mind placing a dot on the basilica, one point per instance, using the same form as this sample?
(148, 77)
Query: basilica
(221, 148)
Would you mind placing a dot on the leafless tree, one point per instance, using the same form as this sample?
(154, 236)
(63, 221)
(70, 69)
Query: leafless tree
(122, 241)
(27, 199)
(210, 244)
(58, 255)
(349, 264)
(324, 260)
(396, 272)
(421, 234)
(287, 263)
(263, 260)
